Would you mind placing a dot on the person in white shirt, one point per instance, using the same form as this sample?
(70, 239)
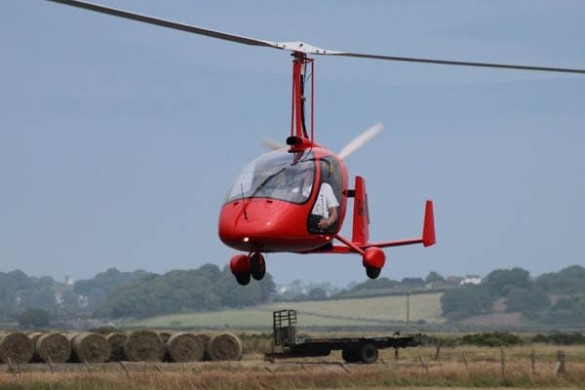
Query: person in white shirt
(326, 207)
(325, 212)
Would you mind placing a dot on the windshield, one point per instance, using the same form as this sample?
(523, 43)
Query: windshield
(278, 175)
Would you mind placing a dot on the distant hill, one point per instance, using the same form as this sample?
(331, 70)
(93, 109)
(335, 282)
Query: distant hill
(388, 313)
(210, 297)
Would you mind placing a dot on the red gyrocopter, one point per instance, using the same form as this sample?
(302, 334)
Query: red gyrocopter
(271, 204)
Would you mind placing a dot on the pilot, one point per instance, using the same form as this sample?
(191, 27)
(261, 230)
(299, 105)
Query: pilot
(325, 212)
(326, 208)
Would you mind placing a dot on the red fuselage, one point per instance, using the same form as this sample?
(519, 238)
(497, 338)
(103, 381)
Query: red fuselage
(263, 213)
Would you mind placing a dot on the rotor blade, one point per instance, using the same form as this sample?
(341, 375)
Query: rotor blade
(455, 63)
(298, 47)
(360, 140)
(167, 23)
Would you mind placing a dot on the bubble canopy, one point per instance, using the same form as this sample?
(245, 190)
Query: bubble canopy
(277, 175)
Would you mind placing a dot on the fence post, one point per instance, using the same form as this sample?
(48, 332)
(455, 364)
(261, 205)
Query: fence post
(464, 359)
(503, 364)
(560, 366)
(423, 364)
(533, 361)
(438, 351)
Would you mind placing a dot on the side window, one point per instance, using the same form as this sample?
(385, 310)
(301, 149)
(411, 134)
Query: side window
(331, 174)
(329, 195)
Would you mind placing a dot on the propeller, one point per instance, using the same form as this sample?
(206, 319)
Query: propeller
(272, 144)
(298, 47)
(360, 140)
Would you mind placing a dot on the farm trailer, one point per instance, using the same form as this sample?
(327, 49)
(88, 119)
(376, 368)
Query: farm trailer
(354, 349)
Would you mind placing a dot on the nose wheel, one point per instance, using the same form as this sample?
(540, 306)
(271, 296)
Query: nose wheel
(245, 267)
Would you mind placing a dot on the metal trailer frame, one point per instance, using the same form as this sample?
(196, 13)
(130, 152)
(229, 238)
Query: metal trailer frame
(354, 349)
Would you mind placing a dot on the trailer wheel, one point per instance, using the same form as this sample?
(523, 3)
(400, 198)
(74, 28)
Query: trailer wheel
(350, 355)
(368, 353)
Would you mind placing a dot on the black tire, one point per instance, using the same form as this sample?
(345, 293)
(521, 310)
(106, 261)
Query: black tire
(243, 278)
(349, 355)
(257, 266)
(372, 272)
(368, 353)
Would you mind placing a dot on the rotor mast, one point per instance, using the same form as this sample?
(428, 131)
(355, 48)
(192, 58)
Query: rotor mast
(300, 137)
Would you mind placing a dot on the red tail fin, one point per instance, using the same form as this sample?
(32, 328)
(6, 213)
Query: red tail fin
(428, 236)
(361, 218)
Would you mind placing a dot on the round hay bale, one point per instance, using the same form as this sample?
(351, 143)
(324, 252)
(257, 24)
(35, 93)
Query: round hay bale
(34, 336)
(53, 347)
(15, 347)
(164, 336)
(90, 347)
(225, 346)
(144, 345)
(205, 339)
(185, 347)
(117, 342)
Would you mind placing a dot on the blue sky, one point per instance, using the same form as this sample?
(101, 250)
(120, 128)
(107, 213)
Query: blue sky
(118, 141)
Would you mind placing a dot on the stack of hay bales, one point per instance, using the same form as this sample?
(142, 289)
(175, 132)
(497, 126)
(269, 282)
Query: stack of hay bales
(15, 347)
(89, 347)
(117, 342)
(51, 347)
(144, 345)
(225, 346)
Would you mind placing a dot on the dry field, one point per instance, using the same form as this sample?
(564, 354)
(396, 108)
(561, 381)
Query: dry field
(416, 367)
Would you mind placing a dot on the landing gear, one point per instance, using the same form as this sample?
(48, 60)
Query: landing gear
(257, 266)
(373, 260)
(373, 272)
(243, 278)
(245, 267)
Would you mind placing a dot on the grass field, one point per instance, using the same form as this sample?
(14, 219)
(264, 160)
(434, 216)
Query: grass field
(455, 368)
(376, 311)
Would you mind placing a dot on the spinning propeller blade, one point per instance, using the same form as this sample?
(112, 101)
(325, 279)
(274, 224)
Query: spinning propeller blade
(360, 140)
(296, 46)
(272, 144)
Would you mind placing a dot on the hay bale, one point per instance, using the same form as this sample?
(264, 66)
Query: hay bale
(204, 339)
(144, 345)
(15, 347)
(185, 347)
(164, 336)
(225, 346)
(52, 347)
(90, 347)
(34, 336)
(117, 342)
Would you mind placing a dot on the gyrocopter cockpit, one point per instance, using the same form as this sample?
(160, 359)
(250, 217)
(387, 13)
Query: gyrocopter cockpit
(277, 175)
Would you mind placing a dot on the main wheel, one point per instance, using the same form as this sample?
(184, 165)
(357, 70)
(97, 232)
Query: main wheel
(368, 353)
(243, 278)
(257, 266)
(373, 272)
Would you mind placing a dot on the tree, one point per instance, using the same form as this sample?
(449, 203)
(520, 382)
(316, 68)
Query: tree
(527, 300)
(103, 284)
(412, 282)
(317, 294)
(570, 280)
(434, 277)
(465, 302)
(500, 282)
(34, 318)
